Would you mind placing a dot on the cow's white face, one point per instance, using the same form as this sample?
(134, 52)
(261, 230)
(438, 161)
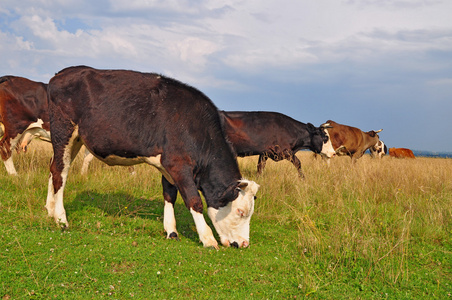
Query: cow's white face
(232, 222)
(378, 150)
(327, 148)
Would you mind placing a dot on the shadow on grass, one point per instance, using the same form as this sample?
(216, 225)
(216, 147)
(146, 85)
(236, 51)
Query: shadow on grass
(119, 205)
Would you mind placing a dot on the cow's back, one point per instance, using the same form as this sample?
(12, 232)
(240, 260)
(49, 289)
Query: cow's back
(344, 136)
(22, 102)
(401, 153)
(132, 114)
(257, 131)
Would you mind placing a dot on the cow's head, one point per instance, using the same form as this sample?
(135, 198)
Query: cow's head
(320, 140)
(232, 222)
(378, 150)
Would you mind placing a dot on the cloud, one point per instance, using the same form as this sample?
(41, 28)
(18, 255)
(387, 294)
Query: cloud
(318, 59)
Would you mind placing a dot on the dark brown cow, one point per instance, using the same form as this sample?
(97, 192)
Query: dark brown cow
(23, 116)
(351, 141)
(126, 118)
(273, 135)
(401, 153)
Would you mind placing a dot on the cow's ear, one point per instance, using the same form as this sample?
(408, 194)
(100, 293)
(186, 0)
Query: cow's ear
(310, 128)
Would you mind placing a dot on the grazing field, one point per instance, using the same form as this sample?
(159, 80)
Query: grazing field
(376, 229)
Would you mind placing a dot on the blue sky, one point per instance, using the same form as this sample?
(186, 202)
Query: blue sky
(367, 63)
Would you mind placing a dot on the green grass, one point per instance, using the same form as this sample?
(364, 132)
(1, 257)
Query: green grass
(376, 230)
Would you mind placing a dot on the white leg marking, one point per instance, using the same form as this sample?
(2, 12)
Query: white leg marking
(60, 212)
(9, 165)
(204, 231)
(55, 205)
(169, 221)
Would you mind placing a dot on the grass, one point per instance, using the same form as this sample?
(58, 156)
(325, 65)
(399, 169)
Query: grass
(373, 230)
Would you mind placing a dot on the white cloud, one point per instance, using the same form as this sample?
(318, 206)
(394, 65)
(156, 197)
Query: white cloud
(348, 50)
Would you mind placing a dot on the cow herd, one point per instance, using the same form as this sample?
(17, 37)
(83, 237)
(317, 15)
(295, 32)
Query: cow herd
(125, 118)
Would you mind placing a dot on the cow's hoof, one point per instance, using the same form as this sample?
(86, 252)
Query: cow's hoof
(173, 236)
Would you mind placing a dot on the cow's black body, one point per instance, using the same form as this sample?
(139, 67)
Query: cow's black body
(271, 135)
(125, 117)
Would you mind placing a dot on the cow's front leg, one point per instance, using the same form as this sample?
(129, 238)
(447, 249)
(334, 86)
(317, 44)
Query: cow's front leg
(169, 220)
(193, 202)
(204, 231)
(261, 163)
(296, 162)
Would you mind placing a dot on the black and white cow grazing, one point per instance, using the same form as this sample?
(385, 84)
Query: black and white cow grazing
(274, 135)
(125, 118)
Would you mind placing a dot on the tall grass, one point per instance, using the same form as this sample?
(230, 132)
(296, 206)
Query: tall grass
(361, 218)
(378, 228)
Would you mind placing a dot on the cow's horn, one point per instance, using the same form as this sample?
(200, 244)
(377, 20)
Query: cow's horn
(326, 125)
(378, 131)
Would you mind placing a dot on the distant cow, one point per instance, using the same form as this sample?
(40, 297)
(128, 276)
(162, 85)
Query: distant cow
(378, 150)
(125, 118)
(23, 117)
(351, 141)
(273, 135)
(401, 153)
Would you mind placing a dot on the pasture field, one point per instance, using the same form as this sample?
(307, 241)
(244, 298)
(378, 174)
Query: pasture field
(374, 230)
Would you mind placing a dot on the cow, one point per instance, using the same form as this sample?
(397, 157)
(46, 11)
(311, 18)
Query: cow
(351, 141)
(378, 150)
(273, 135)
(23, 117)
(125, 117)
(401, 153)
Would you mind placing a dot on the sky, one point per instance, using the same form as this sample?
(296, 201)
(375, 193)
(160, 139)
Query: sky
(371, 64)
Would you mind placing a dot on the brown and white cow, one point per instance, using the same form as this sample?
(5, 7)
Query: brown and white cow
(273, 135)
(125, 118)
(401, 153)
(351, 141)
(23, 117)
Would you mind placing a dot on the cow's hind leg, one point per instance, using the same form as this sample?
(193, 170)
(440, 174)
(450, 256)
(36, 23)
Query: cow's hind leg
(169, 220)
(65, 150)
(6, 145)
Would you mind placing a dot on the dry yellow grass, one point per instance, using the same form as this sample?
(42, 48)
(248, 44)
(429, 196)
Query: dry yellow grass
(367, 221)
(372, 211)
